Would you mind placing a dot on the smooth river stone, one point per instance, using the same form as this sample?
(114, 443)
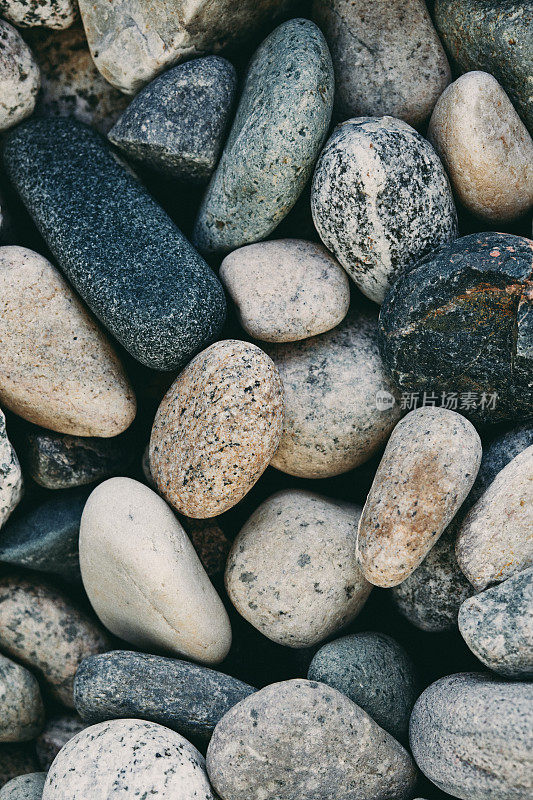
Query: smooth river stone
(56, 14)
(461, 322)
(332, 383)
(300, 739)
(381, 200)
(472, 736)
(143, 577)
(217, 429)
(11, 483)
(387, 57)
(42, 628)
(19, 77)
(429, 466)
(24, 787)
(497, 625)
(375, 672)
(21, 703)
(59, 368)
(57, 731)
(494, 540)
(485, 147)
(286, 290)
(292, 571)
(497, 452)
(128, 759)
(495, 36)
(178, 122)
(279, 128)
(163, 303)
(16, 759)
(185, 697)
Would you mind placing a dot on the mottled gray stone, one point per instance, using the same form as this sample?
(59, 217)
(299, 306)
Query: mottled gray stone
(497, 625)
(11, 484)
(128, 758)
(381, 200)
(177, 123)
(20, 701)
(497, 452)
(56, 14)
(300, 739)
(16, 759)
(19, 77)
(279, 128)
(58, 730)
(25, 787)
(375, 672)
(472, 736)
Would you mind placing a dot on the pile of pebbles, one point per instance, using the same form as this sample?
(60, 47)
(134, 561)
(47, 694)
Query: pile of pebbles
(266, 390)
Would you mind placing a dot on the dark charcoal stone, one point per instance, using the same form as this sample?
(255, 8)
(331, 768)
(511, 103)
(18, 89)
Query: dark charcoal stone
(186, 697)
(119, 249)
(460, 321)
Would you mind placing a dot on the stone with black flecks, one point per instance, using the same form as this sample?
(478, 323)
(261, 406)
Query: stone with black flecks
(21, 703)
(24, 787)
(20, 78)
(57, 14)
(11, 482)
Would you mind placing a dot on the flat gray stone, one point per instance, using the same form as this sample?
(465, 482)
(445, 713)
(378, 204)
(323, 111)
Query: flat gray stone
(58, 730)
(11, 483)
(25, 787)
(20, 700)
(19, 77)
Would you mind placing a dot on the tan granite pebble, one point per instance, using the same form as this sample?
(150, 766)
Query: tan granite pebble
(485, 147)
(56, 14)
(19, 77)
(217, 428)
(286, 290)
(58, 368)
(429, 466)
(21, 705)
(495, 539)
(143, 577)
(57, 731)
(11, 483)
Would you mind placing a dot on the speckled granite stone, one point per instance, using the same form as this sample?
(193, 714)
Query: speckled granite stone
(485, 147)
(105, 230)
(41, 628)
(497, 452)
(292, 572)
(494, 540)
(21, 703)
(279, 128)
(429, 466)
(59, 368)
(217, 428)
(300, 739)
(332, 422)
(16, 759)
(495, 36)
(19, 77)
(58, 730)
(497, 625)
(182, 696)
(387, 57)
(25, 787)
(472, 736)
(143, 577)
(128, 759)
(460, 321)
(11, 483)
(286, 290)
(177, 123)
(56, 14)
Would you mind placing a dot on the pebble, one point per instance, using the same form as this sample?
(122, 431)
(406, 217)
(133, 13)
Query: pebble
(257, 749)
(177, 124)
(494, 37)
(438, 317)
(280, 125)
(210, 542)
(40, 627)
(498, 450)
(497, 625)
(21, 703)
(11, 483)
(58, 730)
(494, 540)
(375, 672)
(387, 57)
(286, 290)
(185, 697)
(429, 466)
(16, 759)
(217, 429)
(162, 304)
(19, 77)
(381, 201)
(128, 758)
(485, 147)
(143, 577)
(472, 736)
(58, 14)
(333, 421)
(24, 787)
(292, 572)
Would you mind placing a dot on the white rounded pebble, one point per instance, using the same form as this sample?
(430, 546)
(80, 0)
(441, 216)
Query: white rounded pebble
(20, 78)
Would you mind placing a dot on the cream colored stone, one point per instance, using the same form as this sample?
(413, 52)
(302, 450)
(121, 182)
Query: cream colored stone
(57, 14)
(19, 77)
(11, 483)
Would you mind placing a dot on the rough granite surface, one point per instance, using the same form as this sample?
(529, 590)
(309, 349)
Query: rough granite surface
(20, 699)
(57, 14)
(11, 481)
(25, 787)
(19, 76)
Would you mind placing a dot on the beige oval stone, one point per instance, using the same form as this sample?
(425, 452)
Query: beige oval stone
(19, 77)
(286, 290)
(485, 147)
(217, 428)
(143, 577)
(428, 467)
(22, 710)
(58, 368)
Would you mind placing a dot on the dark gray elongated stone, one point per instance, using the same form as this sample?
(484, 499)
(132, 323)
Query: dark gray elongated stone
(186, 697)
(119, 249)
(24, 787)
